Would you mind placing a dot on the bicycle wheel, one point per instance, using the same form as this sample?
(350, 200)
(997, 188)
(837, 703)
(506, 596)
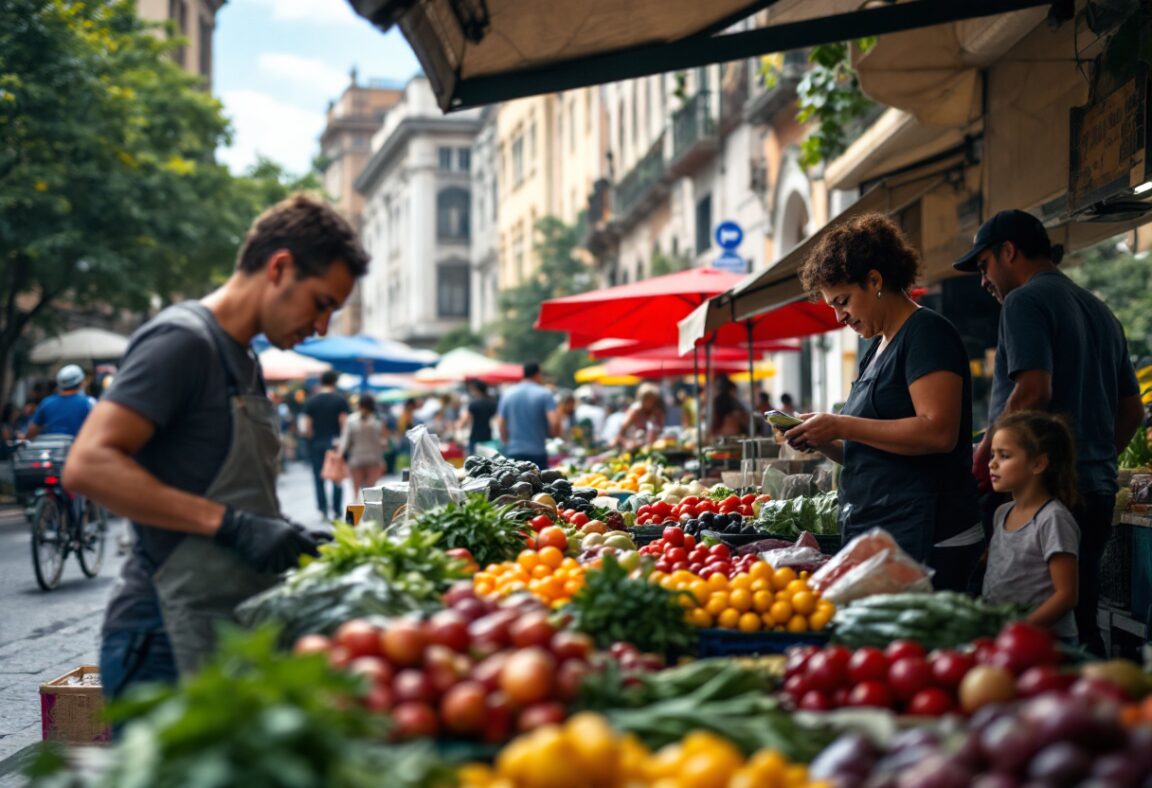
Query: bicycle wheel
(93, 530)
(49, 542)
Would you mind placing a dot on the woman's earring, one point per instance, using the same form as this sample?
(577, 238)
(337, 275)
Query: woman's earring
(879, 293)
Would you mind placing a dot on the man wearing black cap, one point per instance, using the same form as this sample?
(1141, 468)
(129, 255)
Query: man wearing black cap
(1062, 350)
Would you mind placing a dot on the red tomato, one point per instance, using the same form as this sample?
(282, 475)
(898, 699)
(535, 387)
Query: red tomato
(870, 693)
(814, 700)
(662, 566)
(731, 500)
(723, 567)
(678, 565)
(706, 506)
(867, 664)
(826, 672)
(643, 510)
(721, 550)
(908, 676)
(676, 555)
(749, 498)
(674, 535)
(798, 657)
(728, 508)
(579, 519)
(949, 668)
(1026, 645)
(898, 649)
(661, 508)
(1043, 678)
(690, 501)
(540, 522)
(699, 554)
(983, 649)
(930, 702)
(689, 541)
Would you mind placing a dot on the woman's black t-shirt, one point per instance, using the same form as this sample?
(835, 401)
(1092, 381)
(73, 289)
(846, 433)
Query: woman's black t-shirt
(482, 410)
(921, 499)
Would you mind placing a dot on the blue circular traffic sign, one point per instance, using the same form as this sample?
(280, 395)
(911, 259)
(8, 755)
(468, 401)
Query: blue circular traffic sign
(728, 235)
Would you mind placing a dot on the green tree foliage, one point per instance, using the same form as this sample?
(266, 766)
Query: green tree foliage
(669, 263)
(462, 336)
(830, 97)
(1121, 281)
(109, 190)
(561, 273)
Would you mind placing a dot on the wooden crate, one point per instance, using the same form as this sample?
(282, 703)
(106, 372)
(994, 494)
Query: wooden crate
(72, 712)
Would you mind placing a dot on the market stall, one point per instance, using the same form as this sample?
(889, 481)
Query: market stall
(625, 624)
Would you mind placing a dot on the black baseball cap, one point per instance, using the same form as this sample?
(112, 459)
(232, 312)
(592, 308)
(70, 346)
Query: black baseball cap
(1021, 228)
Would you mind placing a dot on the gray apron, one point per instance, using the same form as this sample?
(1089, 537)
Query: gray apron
(201, 583)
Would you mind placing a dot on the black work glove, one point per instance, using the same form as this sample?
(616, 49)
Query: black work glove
(267, 544)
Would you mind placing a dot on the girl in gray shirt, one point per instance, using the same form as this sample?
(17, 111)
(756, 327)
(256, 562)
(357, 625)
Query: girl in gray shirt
(1032, 559)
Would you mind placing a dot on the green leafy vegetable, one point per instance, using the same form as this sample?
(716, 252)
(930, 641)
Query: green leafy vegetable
(816, 514)
(612, 607)
(255, 716)
(492, 534)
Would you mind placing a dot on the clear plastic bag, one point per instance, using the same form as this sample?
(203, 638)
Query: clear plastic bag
(432, 481)
(872, 563)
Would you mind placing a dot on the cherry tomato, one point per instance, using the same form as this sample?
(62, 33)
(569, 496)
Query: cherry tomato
(930, 702)
(689, 542)
(867, 664)
(579, 519)
(643, 510)
(721, 550)
(540, 522)
(949, 668)
(690, 501)
(871, 693)
(898, 649)
(814, 700)
(908, 676)
(825, 672)
(674, 536)
(676, 555)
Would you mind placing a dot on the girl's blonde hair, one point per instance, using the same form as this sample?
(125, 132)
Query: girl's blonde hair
(1043, 433)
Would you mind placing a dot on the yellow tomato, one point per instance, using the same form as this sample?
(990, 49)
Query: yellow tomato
(749, 622)
(717, 582)
(780, 612)
(594, 742)
(804, 603)
(760, 584)
(743, 582)
(551, 557)
(729, 618)
(656, 577)
(699, 589)
(767, 765)
(762, 601)
(741, 599)
(796, 775)
(699, 617)
(528, 559)
(797, 624)
(761, 570)
(717, 603)
(818, 620)
(782, 577)
(796, 586)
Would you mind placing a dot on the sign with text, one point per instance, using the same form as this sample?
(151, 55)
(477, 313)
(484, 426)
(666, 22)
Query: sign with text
(1109, 145)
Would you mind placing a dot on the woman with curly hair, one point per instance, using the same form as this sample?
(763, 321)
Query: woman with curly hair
(904, 434)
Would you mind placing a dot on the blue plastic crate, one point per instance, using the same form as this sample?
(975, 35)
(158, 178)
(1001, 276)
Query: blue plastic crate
(731, 642)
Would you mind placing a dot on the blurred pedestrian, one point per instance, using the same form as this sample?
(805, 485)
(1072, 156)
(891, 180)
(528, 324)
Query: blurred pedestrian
(787, 405)
(729, 416)
(324, 415)
(362, 444)
(590, 414)
(477, 417)
(64, 412)
(526, 416)
(644, 420)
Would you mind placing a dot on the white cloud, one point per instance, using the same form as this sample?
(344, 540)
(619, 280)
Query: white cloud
(265, 126)
(325, 12)
(303, 73)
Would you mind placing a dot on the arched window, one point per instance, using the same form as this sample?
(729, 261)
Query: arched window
(452, 220)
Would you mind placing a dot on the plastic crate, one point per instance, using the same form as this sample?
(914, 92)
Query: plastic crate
(1116, 567)
(731, 642)
(1141, 573)
(73, 712)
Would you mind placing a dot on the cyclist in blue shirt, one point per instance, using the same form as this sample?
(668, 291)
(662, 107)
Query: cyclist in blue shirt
(64, 412)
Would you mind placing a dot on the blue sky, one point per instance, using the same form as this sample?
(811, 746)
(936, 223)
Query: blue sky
(279, 62)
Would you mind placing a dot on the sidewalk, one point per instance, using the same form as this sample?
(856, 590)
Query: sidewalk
(58, 642)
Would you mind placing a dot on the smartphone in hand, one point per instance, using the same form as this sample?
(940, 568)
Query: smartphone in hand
(780, 420)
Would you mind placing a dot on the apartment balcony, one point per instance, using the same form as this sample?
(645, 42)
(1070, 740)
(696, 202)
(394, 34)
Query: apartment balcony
(601, 234)
(694, 136)
(643, 187)
(768, 100)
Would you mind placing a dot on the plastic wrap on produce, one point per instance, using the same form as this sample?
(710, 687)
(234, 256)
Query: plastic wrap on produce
(872, 563)
(432, 482)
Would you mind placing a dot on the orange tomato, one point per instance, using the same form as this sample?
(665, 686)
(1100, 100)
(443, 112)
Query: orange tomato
(749, 622)
(551, 557)
(741, 599)
(552, 536)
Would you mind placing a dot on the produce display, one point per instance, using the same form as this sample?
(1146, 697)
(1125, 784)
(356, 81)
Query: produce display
(934, 620)
(518, 637)
(759, 599)
(588, 745)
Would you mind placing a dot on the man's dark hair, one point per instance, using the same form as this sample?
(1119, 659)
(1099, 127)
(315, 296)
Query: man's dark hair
(311, 230)
(785, 399)
(329, 378)
(531, 369)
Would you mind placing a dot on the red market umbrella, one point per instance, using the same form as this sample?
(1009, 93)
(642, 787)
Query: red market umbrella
(667, 368)
(646, 311)
(624, 349)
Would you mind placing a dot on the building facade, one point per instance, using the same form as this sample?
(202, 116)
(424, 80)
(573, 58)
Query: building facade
(194, 20)
(416, 221)
(345, 145)
(485, 281)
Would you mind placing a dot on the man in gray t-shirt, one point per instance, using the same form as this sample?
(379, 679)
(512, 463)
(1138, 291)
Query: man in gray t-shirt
(1060, 350)
(1018, 560)
(526, 416)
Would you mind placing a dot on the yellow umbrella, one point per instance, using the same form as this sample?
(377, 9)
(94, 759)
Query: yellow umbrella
(597, 373)
(762, 371)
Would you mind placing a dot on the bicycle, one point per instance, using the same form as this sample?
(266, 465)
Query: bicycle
(61, 522)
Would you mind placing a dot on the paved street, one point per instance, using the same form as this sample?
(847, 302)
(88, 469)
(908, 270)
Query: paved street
(43, 635)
